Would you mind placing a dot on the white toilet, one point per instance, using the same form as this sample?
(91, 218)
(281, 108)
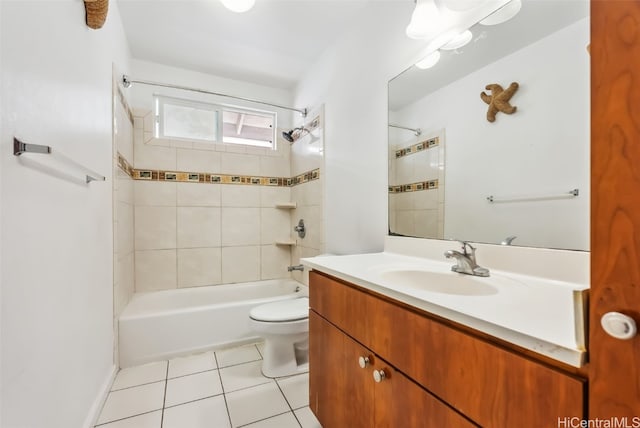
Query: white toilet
(285, 327)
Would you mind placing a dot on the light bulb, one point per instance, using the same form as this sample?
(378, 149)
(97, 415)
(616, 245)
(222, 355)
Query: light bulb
(429, 60)
(458, 41)
(238, 6)
(424, 20)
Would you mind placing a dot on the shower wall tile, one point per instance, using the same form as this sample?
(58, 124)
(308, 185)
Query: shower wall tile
(276, 225)
(125, 187)
(194, 195)
(274, 261)
(198, 227)
(240, 264)
(154, 193)
(198, 160)
(240, 196)
(148, 156)
(240, 226)
(156, 270)
(155, 228)
(274, 166)
(242, 164)
(270, 196)
(199, 266)
(124, 228)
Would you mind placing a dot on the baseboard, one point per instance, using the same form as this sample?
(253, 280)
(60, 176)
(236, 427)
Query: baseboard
(96, 407)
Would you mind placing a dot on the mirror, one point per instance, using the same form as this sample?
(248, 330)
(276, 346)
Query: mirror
(525, 175)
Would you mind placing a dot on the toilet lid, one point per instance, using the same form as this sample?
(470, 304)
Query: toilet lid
(284, 310)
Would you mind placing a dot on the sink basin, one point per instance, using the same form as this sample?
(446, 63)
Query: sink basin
(437, 282)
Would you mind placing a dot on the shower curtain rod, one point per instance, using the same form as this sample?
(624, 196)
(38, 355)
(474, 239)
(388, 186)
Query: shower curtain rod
(416, 131)
(126, 82)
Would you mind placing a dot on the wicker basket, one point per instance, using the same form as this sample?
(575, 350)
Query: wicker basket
(96, 12)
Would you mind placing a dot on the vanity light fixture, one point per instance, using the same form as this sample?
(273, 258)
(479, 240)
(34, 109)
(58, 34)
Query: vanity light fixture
(425, 20)
(238, 6)
(458, 41)
(429, 60)
(503, 14)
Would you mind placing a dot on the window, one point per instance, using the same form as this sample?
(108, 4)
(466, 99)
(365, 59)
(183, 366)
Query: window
(178, 119)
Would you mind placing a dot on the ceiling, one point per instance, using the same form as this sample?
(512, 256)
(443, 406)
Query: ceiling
(273, 44)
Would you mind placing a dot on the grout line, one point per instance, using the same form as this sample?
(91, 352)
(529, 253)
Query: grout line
(264, 419)
(164, 398)
(288, 404)
(259, 353)
(224, 395)
(137, 385)
(190, 374)
(128, 417)
(194, 400)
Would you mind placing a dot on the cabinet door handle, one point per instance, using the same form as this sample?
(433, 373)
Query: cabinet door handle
(363, 362)
(379, 375)
(619, 325)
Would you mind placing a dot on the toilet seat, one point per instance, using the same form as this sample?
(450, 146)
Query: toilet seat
(281, 311)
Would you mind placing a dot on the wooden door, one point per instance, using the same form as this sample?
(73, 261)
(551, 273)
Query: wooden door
(341, 393)
(614, 374)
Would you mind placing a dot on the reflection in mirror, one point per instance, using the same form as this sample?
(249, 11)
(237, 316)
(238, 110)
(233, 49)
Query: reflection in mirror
(526, 174)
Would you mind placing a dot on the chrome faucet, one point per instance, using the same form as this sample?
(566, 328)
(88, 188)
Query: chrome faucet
(466, 261)
(297, 267)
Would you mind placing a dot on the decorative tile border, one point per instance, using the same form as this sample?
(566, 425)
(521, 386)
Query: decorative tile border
(416, 148)
(414, 187)
(125, 165)
(200, 177)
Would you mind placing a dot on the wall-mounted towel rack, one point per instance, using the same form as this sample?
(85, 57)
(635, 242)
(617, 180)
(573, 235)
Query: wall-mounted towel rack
(19, 148)
(567, 195)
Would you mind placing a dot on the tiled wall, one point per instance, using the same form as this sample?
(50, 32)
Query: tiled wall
(205, 233)
(306, 155)
(416, 187)
(123, 209)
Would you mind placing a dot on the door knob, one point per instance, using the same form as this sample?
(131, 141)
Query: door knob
(379, 375)
(619, 325)
(363, 362)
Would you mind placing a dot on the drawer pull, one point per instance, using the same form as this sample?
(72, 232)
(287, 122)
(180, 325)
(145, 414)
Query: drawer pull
(619, 325)
(379, 375)
(363, 362)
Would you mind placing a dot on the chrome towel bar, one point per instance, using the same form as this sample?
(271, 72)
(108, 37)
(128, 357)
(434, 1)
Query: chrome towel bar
(19, 148)
(570, 194)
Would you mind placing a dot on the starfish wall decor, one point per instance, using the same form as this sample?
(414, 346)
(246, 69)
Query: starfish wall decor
(499, 100)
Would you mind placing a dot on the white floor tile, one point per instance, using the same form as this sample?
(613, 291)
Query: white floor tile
(260, 347)
(307, 418)
(254, 404)
(243, 354)
(148, 420)
(286, 420)
(192, 387)
(132, 401)
(242, 376)
(296, 390)
(209, 413)
(192, 364)
(139, 375)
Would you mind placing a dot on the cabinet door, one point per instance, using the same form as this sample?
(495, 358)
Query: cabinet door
(399, 402)
(341, 393)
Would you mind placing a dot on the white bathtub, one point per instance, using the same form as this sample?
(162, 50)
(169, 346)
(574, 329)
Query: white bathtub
(164, 324)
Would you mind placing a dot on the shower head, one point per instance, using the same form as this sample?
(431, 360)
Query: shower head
(294, 134)
(125, 81)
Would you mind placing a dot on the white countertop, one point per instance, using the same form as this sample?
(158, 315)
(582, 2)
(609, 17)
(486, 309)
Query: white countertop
(535, 313)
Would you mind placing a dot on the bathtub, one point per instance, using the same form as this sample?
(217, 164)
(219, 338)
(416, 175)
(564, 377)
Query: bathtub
(164, 324)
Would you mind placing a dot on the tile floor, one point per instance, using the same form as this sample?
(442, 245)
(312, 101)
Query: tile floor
(214, 390)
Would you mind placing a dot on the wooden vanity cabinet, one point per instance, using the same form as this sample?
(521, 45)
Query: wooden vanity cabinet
(344, 394)
(457, 372)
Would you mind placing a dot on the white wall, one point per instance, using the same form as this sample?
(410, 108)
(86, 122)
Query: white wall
(57, 242)
(351, 80)
(541, 149)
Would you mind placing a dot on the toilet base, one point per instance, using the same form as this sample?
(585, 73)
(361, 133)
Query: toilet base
(285, 355)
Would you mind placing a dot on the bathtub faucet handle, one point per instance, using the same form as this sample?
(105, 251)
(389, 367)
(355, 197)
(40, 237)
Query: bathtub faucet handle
(297, 267)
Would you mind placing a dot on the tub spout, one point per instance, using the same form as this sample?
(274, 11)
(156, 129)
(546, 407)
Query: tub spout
(297, 267)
